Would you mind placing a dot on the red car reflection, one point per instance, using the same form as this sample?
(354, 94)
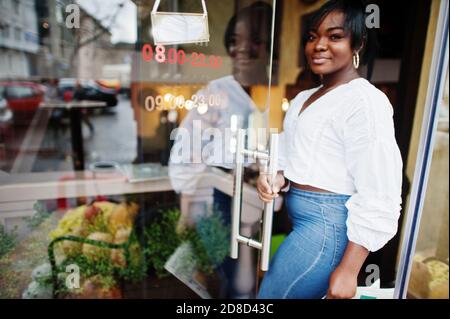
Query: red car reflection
(23, 96)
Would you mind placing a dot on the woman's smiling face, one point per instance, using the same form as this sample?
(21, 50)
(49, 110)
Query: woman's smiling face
(328, 48)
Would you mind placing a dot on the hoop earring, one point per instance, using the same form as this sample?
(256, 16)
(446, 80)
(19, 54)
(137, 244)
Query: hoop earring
(356, 60)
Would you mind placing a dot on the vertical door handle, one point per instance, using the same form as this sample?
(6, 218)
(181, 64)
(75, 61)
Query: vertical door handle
(269, 161)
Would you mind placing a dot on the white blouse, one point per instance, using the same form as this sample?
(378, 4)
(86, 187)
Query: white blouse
(344, 142)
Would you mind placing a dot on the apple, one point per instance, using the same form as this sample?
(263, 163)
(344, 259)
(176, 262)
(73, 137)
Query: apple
(90, 212)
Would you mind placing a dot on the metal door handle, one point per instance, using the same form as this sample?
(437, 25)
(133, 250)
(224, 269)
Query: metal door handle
(269, 160)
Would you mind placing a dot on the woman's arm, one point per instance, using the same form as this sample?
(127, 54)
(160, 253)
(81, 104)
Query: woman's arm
(343, 280)
(374, 161)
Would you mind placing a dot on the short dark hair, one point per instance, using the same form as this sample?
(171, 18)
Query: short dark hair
(259, 14)
(355, 24)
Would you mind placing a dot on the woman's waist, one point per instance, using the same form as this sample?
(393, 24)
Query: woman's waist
(317, 208)
(317, 194)
(310, 188)
(320, 183)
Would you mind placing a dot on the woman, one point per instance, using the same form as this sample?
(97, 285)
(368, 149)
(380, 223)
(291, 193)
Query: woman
(342, 163)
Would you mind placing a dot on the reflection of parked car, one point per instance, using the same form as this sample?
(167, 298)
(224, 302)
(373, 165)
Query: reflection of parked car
(5, 124)
(5, 112)
(90, 90)
(22, 96)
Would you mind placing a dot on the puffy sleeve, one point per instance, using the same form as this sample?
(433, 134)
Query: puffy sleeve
(374, 162)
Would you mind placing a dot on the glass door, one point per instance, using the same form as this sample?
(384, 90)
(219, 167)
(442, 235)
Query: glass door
(201, 73)
(423, 268)
(116, 166)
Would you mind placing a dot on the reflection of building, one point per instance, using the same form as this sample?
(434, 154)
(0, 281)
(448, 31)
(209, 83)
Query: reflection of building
(95, 50)
(74, 52)
(91, 46)
(69, 52)
(18, 38)
(56, 41)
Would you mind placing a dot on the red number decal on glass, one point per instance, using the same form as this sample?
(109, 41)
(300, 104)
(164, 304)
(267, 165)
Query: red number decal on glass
(172, 56)
(147, 52)
(212, 61)
(160, 56)
(202, 59)
(194, 59)
(181, 57)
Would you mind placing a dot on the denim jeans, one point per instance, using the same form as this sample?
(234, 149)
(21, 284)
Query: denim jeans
(303, 263)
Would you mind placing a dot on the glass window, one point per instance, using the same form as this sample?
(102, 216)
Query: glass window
(5, 31)
(18, 34)
(16, 6)
(107, 125)
(19, 92)
(429, 272)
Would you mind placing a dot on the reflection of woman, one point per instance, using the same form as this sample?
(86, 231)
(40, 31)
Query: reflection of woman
(247, 42)
(340, 156)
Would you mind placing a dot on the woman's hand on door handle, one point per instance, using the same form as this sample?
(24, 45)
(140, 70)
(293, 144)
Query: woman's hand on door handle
(267, 192)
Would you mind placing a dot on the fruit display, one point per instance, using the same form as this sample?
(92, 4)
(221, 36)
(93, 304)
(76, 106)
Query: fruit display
(96, 252)
(94, 288)
(99, 217)
(118, 255)
(429, 278)
(93, 230)
(439, 282)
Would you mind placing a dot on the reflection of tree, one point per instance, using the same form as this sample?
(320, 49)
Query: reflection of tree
(88, 34)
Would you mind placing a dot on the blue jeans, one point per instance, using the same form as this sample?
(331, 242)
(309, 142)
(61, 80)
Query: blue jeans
(303, 263)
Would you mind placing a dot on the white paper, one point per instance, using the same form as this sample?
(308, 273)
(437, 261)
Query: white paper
(179, 28)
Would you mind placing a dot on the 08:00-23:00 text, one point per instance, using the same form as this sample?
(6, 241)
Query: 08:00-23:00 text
(174, 56)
